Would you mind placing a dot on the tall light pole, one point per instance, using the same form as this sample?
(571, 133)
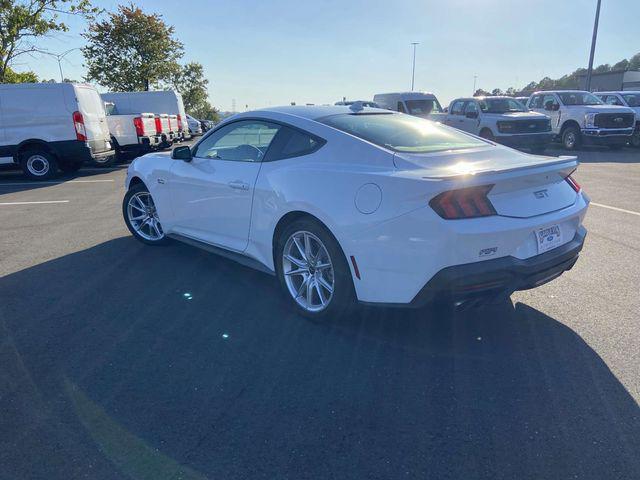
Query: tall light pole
(475, 77)
(59, 57)
(593, 47)
(413, 70)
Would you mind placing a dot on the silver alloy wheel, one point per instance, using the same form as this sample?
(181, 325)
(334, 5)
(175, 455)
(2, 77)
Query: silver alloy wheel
(38, 165)
(570, 140)
(308, 271)
(143, 216)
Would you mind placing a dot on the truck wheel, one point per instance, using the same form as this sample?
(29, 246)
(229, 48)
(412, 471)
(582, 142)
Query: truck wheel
(103, 162)
(635, 140)
(70, 167)
(487, 135)
(571, 138)
(38, 164)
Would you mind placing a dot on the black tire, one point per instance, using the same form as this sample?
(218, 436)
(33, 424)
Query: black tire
(571, 138)
(70, 167)
(487, 135)
(104, 162)
(38, 164)
(635, 140)
(133, 191)
(342, 299)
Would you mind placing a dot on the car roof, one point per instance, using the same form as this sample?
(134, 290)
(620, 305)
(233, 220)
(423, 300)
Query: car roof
(617, 92)
(314, 112)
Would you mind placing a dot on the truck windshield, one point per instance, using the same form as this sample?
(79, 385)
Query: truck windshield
(632, 99)
(501, 105)
(578, 98)
(402, 133)
(423, 107)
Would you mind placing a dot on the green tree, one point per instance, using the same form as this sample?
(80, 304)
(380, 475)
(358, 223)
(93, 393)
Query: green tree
(481, 93)
(191, 83)
(634, 62)
(11, 76)
(602, 68)
(496, 92)
(22, 22)
(621, 65)
(131, 50)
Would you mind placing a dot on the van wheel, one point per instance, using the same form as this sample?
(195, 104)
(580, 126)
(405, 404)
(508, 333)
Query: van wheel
(38, 164)
(70, 167)
(571, 138)
(104, 161)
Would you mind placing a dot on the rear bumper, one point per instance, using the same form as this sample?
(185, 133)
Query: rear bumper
(74, 151)
(501, 276)
(525, 139)
(150, 142)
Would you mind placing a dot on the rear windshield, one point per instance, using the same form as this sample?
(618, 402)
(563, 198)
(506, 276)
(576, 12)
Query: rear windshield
(578, 98)
(402, 133)
(90, 101)
(632, 99)
(423, 107)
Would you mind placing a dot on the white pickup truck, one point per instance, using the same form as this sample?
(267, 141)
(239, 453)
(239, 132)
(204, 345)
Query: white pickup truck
(580, 117)
(501, 119)
(132, 133)
(625, 99)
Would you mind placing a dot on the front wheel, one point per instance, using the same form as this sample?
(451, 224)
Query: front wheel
(141, 217)
(635, 140)
(571, 138)
(313, 271)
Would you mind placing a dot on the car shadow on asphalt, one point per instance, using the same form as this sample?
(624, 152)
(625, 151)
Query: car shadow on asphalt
(129, 361)
(13, 181)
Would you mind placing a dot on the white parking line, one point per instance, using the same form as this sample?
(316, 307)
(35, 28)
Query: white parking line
(56, 182)
(34, 203)
(616, 208)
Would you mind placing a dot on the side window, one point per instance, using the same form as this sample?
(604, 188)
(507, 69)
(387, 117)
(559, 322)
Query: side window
(456, 108)
(536, 101)
(293, 143)
(243, 141)
(401, 107)
(471, 106)
(549, 99)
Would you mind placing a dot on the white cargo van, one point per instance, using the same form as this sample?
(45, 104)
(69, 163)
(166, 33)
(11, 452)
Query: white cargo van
(46, 126)
(157, 102)
(418, 104)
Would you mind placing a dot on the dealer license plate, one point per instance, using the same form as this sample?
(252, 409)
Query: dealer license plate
(549, 238)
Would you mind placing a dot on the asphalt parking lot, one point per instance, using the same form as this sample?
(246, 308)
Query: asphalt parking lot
(122, 361)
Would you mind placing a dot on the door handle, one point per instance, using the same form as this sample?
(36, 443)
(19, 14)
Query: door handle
(239, 185)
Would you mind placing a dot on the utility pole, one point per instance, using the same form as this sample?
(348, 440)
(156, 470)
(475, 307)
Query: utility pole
(475, 77)
(413, 70)
(593, 47)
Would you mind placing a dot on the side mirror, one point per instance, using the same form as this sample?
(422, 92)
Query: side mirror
(182, 153)
(471, 115)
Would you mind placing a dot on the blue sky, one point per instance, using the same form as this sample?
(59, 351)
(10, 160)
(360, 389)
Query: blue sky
(270, 53)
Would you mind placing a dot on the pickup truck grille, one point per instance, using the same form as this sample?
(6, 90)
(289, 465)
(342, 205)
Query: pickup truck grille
(614, 120)
(525, 126)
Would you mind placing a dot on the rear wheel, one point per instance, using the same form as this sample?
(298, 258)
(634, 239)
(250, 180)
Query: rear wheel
(141, 217)
(571, 138)
(312, 270)
(103, 161)
(38, 164)
(635, 140)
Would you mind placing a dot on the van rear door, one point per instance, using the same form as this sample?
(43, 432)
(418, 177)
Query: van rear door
(95, 120)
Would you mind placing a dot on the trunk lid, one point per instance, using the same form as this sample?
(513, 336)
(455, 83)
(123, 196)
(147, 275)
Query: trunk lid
(523, 185)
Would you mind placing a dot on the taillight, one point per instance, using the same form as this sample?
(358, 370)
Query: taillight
(137, 122)
(572, 182)
(468, 202)
(179, 122)
(169, 123)
(158, 125)
(78, 123)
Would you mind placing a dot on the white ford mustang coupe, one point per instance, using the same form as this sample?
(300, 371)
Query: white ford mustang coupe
(348, 204)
